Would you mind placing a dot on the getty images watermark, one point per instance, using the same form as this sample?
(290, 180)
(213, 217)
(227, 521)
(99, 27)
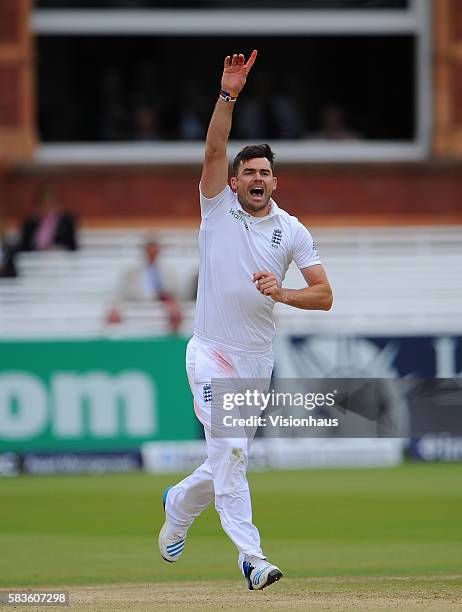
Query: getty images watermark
(333, 407)
(253, 398)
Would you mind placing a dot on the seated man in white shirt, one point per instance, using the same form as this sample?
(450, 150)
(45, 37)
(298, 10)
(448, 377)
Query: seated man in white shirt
(143, 283)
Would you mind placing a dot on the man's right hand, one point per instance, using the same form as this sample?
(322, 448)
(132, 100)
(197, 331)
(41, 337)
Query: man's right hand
(215, 170)
(235, 72)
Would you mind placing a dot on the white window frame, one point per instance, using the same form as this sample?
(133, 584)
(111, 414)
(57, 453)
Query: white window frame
(415, 20)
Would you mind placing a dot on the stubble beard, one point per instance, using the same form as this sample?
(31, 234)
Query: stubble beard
(250, 208)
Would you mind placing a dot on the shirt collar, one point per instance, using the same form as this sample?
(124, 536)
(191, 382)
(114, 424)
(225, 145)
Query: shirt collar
(274, 210)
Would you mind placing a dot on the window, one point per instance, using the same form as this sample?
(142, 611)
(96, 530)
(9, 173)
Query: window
(345, 88)
(357, 86)
(229, 4)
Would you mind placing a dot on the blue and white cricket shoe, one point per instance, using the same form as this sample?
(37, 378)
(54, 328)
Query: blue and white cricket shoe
(259, 573)
(171, 544)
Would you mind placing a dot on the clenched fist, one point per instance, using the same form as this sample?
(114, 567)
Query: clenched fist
(268, 284)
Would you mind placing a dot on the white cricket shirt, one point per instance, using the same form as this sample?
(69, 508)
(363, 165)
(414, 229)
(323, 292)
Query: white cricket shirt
(231, 313)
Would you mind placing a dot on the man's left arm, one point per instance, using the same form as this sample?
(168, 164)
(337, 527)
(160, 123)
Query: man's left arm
(317, 296)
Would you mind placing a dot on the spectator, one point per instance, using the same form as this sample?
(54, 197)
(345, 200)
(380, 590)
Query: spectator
(271, 112)
(287, 108)
(255, 120)
(50, 227)
(143, 283)
(114, 121)
(334, 125)
(146, 123)
(7, 253)
(192, 122)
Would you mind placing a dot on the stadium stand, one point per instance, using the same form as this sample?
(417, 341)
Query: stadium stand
(403, 280)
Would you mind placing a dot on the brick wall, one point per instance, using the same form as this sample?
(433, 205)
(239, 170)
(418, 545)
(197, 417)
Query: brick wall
(413, 193)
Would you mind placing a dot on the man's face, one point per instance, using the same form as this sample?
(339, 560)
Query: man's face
(151, 250)
(254, 184)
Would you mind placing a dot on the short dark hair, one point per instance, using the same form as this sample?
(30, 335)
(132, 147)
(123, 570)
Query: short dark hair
(252, 152)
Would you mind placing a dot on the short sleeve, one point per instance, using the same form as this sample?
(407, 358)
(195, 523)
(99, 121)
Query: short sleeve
(304, 252)
(209, 205)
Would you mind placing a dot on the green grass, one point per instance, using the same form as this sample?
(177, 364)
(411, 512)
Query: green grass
(103, 529)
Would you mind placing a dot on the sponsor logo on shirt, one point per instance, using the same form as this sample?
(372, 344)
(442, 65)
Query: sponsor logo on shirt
(237, 214)
(276, 238)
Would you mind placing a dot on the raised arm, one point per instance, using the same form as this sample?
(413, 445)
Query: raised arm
(215, 170)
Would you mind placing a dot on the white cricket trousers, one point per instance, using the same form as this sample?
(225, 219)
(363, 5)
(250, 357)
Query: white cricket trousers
(223, 474)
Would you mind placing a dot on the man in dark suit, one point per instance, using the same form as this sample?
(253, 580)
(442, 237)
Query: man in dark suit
(50, 227)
